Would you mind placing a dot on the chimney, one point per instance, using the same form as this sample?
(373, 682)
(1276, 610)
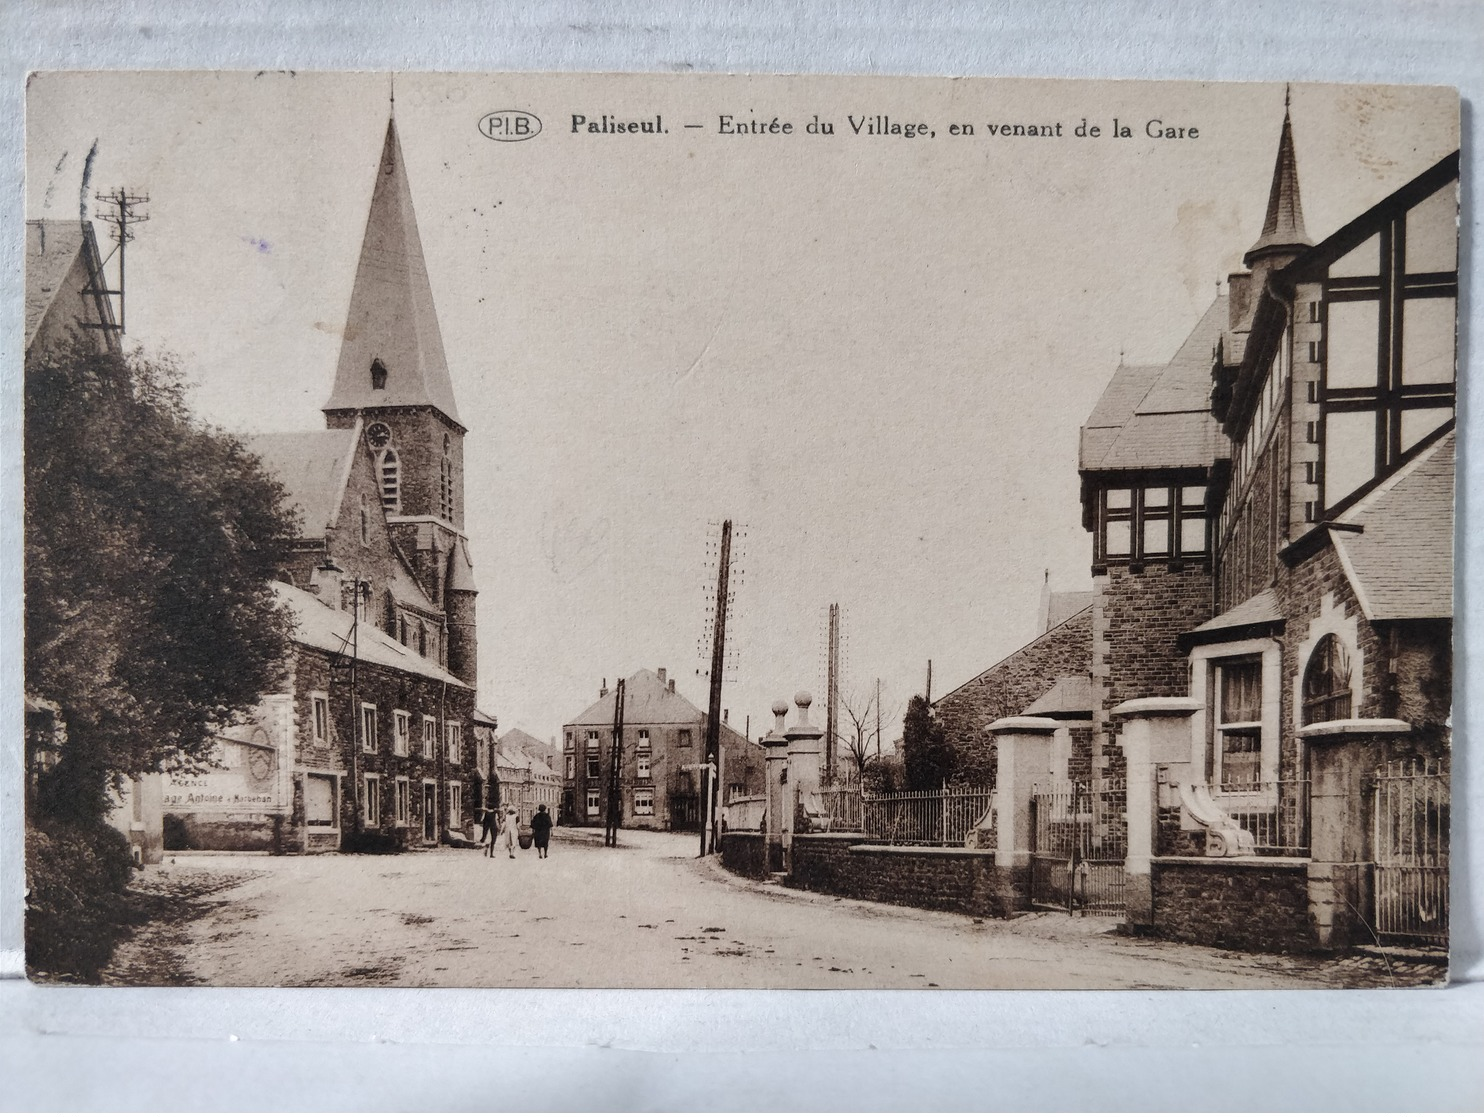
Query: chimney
(603, 690)
(662, 674)
(1239, 301)
(672, 686)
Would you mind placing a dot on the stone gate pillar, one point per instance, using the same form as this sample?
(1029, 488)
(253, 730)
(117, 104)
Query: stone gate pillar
(1023, 759)
(778, 807)
(1342, 757)
(803, 765)
(1156, 735)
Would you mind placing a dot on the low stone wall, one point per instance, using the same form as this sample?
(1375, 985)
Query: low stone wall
(745, 852)
(943, 879)
(248, 833)
(1240, 903)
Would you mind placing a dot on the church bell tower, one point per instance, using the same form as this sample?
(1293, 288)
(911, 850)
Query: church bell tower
(394, 377)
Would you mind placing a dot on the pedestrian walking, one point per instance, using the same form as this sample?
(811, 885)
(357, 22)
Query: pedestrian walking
(508, 831)
(488, 825)
(541, 830)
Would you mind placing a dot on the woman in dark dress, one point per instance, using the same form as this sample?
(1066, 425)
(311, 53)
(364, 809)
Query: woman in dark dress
(541, 830)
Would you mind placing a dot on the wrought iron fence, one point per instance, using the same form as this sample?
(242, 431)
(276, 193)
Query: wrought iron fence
(1409, 838)
(933, 818)
(1079, 845)
(837, 809)
(1274, 812)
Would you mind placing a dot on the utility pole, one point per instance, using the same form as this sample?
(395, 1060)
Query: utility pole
(928, 697)
(878, 717)
(615, 770)
(124, 214)
(832, 696)
(713, 707)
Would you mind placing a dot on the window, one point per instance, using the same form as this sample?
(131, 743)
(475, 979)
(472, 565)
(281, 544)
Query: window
(389, 469)
(642, 759)
(389, 612)
(320, 718)
(682, 738)
(1238, 740)
(365, 520)
(594, 766)
(378, 376)
(430, 736)
(1154, 521)
(455, 805)
(1389, 348)
(1327, 695)
(592, 803)
(368, 727)
(402, 803)
(644, 802)
(402, 731)
(371, 803)
(571, 766)
(445, 480)
(319, 801)
(453, 736)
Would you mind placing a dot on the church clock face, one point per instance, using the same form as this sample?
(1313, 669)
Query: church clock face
(378, 435)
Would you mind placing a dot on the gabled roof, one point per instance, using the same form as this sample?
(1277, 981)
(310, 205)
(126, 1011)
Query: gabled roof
(314, 466)
(316, 625)
(1061, 605)
(647, 701)
(1159, 416)
(1401, 563)
(1259, 614)
(392, 318)
(53, 249)
(521, 741)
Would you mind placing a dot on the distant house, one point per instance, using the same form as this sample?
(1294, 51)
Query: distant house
(526, 782)
(664, 739)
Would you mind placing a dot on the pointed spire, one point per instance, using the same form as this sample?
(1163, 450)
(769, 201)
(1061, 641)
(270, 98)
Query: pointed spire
(392, 353)
(1283, 228)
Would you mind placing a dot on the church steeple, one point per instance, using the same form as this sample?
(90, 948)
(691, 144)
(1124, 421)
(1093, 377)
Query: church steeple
(392, 353)
(1283, 228)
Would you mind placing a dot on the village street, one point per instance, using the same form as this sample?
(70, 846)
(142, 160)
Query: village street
(649, 914)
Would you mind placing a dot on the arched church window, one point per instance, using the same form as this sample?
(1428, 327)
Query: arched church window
(378, 375)
(365, 520)
(389, 469)
(1327, 694)
(445, 477)
(422, 638)
(389, 611)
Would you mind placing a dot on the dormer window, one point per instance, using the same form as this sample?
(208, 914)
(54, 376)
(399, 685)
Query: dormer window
(378, 376)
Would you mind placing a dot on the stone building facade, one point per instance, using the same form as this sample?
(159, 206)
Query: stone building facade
(372, 744)
(664, 738)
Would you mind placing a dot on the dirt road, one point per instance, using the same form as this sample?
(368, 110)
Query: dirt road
(645, 915)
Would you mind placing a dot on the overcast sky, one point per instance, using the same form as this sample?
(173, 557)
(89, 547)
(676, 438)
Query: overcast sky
(873, 352)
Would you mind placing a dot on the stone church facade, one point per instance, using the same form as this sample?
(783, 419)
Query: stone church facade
(371, 744)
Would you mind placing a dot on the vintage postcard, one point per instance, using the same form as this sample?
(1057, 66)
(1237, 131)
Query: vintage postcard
(538, 530)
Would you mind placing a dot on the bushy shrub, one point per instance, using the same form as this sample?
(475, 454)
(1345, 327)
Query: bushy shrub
(76, 904)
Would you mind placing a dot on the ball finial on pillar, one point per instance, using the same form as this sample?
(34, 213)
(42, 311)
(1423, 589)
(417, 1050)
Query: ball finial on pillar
(803, 700)
(780, 711)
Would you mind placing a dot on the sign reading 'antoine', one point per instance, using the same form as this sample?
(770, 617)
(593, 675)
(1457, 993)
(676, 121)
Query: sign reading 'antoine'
(860, 533)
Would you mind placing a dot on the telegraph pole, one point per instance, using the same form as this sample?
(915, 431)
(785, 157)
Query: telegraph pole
(713, 707)
(123, 204)
(832, 696)
(615, 770)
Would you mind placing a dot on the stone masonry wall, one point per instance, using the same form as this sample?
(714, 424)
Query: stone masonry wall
(1008, 687)
(1239, 904)
(958, 880)
(745, 854)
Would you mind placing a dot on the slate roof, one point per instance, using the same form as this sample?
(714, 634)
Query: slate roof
(314, 466)
(1070, 694)
(1159, 416)
(1401, 563)
(51, 249)
(647, 701)
(391, 317)
(1064, 604)
(319, 626)
(1283, 227)
(1260, 608)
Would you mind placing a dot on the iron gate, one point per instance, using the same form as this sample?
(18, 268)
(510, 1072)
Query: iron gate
(1409, 834)
(1080, 841)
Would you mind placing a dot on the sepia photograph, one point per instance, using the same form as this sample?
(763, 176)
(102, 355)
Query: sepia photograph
(695, 531)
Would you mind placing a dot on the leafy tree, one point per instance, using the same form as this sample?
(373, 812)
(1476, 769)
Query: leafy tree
(929, 757)
(150, 542)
